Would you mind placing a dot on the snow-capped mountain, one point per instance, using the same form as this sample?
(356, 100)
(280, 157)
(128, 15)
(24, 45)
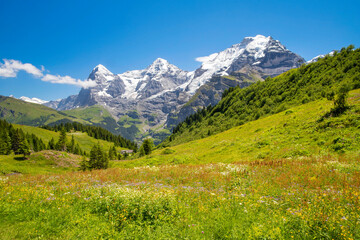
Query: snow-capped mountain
(315, 59)
(261, 53)
(151, 94)
(159, 77)
(33, 100)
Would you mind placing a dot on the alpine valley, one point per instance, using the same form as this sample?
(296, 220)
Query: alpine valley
(152, 101)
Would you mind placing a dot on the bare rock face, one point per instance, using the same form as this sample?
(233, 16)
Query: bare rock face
(157, 97)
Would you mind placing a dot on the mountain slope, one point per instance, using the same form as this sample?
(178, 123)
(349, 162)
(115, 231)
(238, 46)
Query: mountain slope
(308, 83)
(18, 111)
(210, 93)
(296, 132)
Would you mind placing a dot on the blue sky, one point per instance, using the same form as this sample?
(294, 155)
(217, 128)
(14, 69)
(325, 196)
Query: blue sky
(69, 38)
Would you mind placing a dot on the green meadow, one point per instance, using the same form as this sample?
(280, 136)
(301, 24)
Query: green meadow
(307, 198)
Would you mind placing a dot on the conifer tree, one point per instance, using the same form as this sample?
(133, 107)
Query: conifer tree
(98, 159)
(5, 143)
(111, 155)
(142, 151)
(147, 146)
(77, 149)
(24, 147)
(71, 145)
(61, 144)
(15, 140)
(51, 144)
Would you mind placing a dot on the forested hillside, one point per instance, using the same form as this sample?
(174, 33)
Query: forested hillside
(95, 132)
(310, 82)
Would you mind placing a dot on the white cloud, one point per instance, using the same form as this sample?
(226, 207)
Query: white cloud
(10, 68)
(206, 58)
(68, 80)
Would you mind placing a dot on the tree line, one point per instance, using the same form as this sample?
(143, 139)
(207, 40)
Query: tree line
(18, 142)
(14, 140)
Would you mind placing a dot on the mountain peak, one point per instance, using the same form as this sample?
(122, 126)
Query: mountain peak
(160, 65)
(101, 74)
(159, 62)
(251, 51)
(101, 69)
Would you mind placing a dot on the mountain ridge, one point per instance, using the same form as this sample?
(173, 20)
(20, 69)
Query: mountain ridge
(161, 90)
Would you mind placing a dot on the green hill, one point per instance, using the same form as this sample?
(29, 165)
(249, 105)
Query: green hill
(20, 112)
(298, 86)
(50, 161)
(98, 116)
(301, 131)
(44, 162)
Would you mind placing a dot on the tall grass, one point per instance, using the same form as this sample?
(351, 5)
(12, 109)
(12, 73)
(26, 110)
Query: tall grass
(305, 198)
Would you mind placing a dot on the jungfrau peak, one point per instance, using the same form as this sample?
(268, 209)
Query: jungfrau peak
(150, 95)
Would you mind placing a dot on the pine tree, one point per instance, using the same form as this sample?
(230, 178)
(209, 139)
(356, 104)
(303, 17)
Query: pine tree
(84, 164)
(111, 155)
(114, 151)
(61, 144)
(77, 149)
(24, 147)
(142, 151)
(71, 145)
(98, 159)
(5, 143)
(147, 146)
(15, 140)
(51, 144)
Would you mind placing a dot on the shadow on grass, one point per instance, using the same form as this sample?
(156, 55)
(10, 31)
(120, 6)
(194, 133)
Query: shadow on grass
(334, 112)
(20, 158)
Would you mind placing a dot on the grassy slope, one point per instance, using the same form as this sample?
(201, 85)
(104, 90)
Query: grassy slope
(83, 139)
(20, 112)
(17, 111)
(292, 133)
(45, 162)
(94, 114)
